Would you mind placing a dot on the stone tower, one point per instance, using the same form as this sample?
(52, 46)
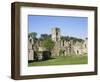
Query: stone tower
(56, 34)
(56, 39)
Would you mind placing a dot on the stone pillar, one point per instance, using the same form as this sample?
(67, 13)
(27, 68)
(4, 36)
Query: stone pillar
(30, 54)
(56, 34)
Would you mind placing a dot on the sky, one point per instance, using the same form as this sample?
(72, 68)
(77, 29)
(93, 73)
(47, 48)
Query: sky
(69, 26)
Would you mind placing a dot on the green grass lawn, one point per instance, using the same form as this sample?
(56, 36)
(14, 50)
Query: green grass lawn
(61, 60)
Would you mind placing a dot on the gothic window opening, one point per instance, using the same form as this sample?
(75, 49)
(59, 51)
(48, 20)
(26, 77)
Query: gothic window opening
(85, 45)
(64, 52)
(56, 33)
(30, 41)
(63, 42)
(77, 52)
(32, 46)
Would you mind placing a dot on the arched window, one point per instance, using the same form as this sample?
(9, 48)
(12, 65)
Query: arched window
(85, 45)
(77, 52)
(32, 46)
(63, 42)
(64, 52)
(30, 41)
(56, 33)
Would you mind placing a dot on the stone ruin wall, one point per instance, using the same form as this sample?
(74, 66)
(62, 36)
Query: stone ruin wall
(68, 47)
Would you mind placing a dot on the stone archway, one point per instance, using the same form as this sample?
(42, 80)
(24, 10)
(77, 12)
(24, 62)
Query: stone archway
(77, 51)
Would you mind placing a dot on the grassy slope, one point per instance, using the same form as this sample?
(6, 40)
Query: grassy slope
(61, 60)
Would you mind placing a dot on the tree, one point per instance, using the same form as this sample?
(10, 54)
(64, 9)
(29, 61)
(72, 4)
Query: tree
(33, 35)
(48, 44)
(74, 39)
(67, 38)
(44, 36)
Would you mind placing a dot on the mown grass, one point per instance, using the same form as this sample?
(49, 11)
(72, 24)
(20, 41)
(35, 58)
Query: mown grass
(61, 60)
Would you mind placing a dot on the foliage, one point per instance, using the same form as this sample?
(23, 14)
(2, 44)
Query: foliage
(46, 55)
(33, 35)
(67, 38)
(44, 36)
(48, 44)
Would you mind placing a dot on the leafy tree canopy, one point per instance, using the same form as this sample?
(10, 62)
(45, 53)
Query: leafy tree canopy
(67, 38)
(48, 44)
(44, 36)
(33, 35)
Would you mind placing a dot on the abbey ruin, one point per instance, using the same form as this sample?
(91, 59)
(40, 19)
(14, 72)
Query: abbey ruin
(61, 47)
